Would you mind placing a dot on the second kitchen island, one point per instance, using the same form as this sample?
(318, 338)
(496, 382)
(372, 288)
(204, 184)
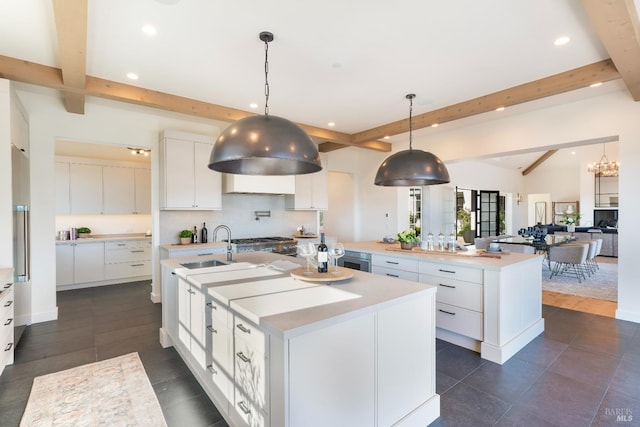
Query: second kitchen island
(274, 351)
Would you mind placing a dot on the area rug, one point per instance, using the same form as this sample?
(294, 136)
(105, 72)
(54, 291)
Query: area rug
(114, 392)
(603, 284)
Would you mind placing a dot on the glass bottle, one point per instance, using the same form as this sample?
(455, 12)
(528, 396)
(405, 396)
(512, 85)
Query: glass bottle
(430, 241)
(194, 236)
(323, 256)
(204, 233)
(441, 242)
(452, 241)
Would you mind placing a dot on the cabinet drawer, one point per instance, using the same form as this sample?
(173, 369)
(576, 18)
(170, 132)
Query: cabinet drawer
(250, 333)
(460, 320)
(129, 269)
(127, 255)
(455, 292)
(121, 244)
(250, 374)
(399, 274)
(250, 414)
(404, 264)
(222, 380)
(467, 274)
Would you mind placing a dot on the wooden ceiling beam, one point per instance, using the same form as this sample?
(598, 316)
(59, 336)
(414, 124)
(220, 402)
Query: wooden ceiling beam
(71, 29)
(578, 78)
(538, 162)
(326, 147)
(618, 26)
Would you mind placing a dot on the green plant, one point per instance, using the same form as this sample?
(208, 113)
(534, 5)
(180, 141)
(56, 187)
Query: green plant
(572, 219)
(84, 230)
(464, 217)
(408, 236)
(184, 234)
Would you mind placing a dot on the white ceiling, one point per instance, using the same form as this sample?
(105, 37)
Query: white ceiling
(349, 62)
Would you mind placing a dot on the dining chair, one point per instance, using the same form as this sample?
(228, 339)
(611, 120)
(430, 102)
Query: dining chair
(568, 259)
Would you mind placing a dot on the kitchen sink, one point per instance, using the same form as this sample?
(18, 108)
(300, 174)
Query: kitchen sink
(202, 264)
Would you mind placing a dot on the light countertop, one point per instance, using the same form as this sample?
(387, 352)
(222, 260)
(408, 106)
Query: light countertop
(105, 238)
(193, 245)
(463, 258)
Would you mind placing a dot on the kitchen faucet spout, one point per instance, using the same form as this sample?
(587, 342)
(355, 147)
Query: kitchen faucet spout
(228, 230)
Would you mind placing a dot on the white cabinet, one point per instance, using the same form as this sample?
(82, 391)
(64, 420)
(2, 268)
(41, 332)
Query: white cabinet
(186, 182)
(396, 267)
(127, 259)
(118, 190)
(221, 366)
(85, 187)
(191, 320)
(204, 249)
(142, 191)
(169, 306)
(6, 319)
(62, 195)
(79, 263)
(311, 190)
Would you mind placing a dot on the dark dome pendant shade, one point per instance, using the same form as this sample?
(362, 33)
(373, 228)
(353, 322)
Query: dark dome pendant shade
(411, 167)
(264, 145)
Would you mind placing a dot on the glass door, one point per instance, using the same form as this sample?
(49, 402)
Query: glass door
(488, 213)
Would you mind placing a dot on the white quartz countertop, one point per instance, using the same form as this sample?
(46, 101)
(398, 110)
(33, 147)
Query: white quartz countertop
(370, 293)
(105, 238)
(465, 258)
(194, 245)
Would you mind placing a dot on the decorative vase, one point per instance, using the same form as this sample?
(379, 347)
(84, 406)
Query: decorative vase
(83, 235)
(571, 228)
(408, 245)
(185, 240)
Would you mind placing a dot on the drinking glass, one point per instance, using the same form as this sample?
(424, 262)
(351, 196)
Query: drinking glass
(308, 251)
(336, 251)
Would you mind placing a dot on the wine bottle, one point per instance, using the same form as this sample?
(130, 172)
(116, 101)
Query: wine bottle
(194, 237)
(323, 256)
(204, 232)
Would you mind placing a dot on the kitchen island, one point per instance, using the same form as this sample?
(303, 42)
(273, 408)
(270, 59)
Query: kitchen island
(271, 350)
(489, 303)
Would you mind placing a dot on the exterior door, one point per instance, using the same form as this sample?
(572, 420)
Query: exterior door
(488, 213)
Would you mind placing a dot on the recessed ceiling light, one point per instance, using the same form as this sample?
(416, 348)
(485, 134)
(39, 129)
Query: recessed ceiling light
(595, 84)
(149, 30)
(500, 109)
(573, 153)
(331, 124)
(562, 40)
(132, 76)
(387, 137)
(435, 125)
(253, 105)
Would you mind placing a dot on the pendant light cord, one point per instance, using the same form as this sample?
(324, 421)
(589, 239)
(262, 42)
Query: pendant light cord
(410, 98)
(266, 75)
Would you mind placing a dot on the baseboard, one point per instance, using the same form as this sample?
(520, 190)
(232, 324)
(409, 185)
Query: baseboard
(165, 339)
(630, 316)
(102, 283)
(457, 339)
(155, 298)
(500, 354)
(423, 415)
(45, 316)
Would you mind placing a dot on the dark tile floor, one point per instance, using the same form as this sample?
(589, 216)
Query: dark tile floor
(583, 371)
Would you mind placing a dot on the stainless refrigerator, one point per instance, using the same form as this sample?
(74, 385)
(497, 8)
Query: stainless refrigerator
(21, 237)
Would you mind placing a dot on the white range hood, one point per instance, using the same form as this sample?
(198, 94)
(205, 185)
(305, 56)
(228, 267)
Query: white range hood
(259, 184)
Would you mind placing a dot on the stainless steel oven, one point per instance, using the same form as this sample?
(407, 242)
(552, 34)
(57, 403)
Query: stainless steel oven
(356, 261)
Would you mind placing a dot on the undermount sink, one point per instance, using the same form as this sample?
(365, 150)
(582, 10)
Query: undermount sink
(202, 264)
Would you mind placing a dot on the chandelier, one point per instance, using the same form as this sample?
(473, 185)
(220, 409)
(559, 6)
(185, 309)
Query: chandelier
(604, 167)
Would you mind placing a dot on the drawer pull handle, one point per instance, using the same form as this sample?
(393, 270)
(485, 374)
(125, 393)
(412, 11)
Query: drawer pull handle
(8, 347)
(243, 328)
(392, 262)
(446, 286)
(212, 369)
(8, 304)
(191, 292)
(242, 357)
(446, 312)
(137, 265)
(120, 244)
(212, 329)
(243, 407)
(446, 271)
(173, 273)
(211, 306)
(392, 275)
(8, 322)
(205, 254)
(8, 285)
(135, 252)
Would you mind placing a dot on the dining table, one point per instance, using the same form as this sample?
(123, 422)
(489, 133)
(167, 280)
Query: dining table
(540, 245)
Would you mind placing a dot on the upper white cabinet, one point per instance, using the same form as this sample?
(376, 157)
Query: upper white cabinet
(62, 196)
(186, 182)
(85, 183)
(142, 191)
(310, 190)
(119, 193)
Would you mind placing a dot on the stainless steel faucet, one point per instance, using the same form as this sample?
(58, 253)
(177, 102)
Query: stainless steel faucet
(229, 248)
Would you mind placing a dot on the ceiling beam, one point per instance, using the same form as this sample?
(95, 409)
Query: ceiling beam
(326, 147)
(71, 29)
(617, 25)
(538, 162)
(578, 78)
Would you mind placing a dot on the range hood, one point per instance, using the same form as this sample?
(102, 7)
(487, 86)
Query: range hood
(258, 184)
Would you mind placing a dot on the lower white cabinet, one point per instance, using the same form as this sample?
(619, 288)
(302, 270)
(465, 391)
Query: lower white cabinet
(127, 258)
(399, 268)
(191, 320)
(79, 263)
(6, 321)
(169, 310)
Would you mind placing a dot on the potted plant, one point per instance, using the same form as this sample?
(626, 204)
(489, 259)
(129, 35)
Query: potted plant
(571, 220)
(408, 239)
(185, 236)
(464, 216)
(84, 232)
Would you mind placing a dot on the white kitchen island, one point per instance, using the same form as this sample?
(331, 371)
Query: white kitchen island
(490, 305)
(276, 351)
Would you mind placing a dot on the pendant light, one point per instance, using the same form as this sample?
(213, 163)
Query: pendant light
(264, 145)
(411, 167)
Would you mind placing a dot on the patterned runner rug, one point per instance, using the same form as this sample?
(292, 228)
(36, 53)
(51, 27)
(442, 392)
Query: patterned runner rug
(114, 392)
(602, 285)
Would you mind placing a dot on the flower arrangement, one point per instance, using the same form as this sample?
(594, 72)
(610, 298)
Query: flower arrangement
(408, 236)
(571, 219)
